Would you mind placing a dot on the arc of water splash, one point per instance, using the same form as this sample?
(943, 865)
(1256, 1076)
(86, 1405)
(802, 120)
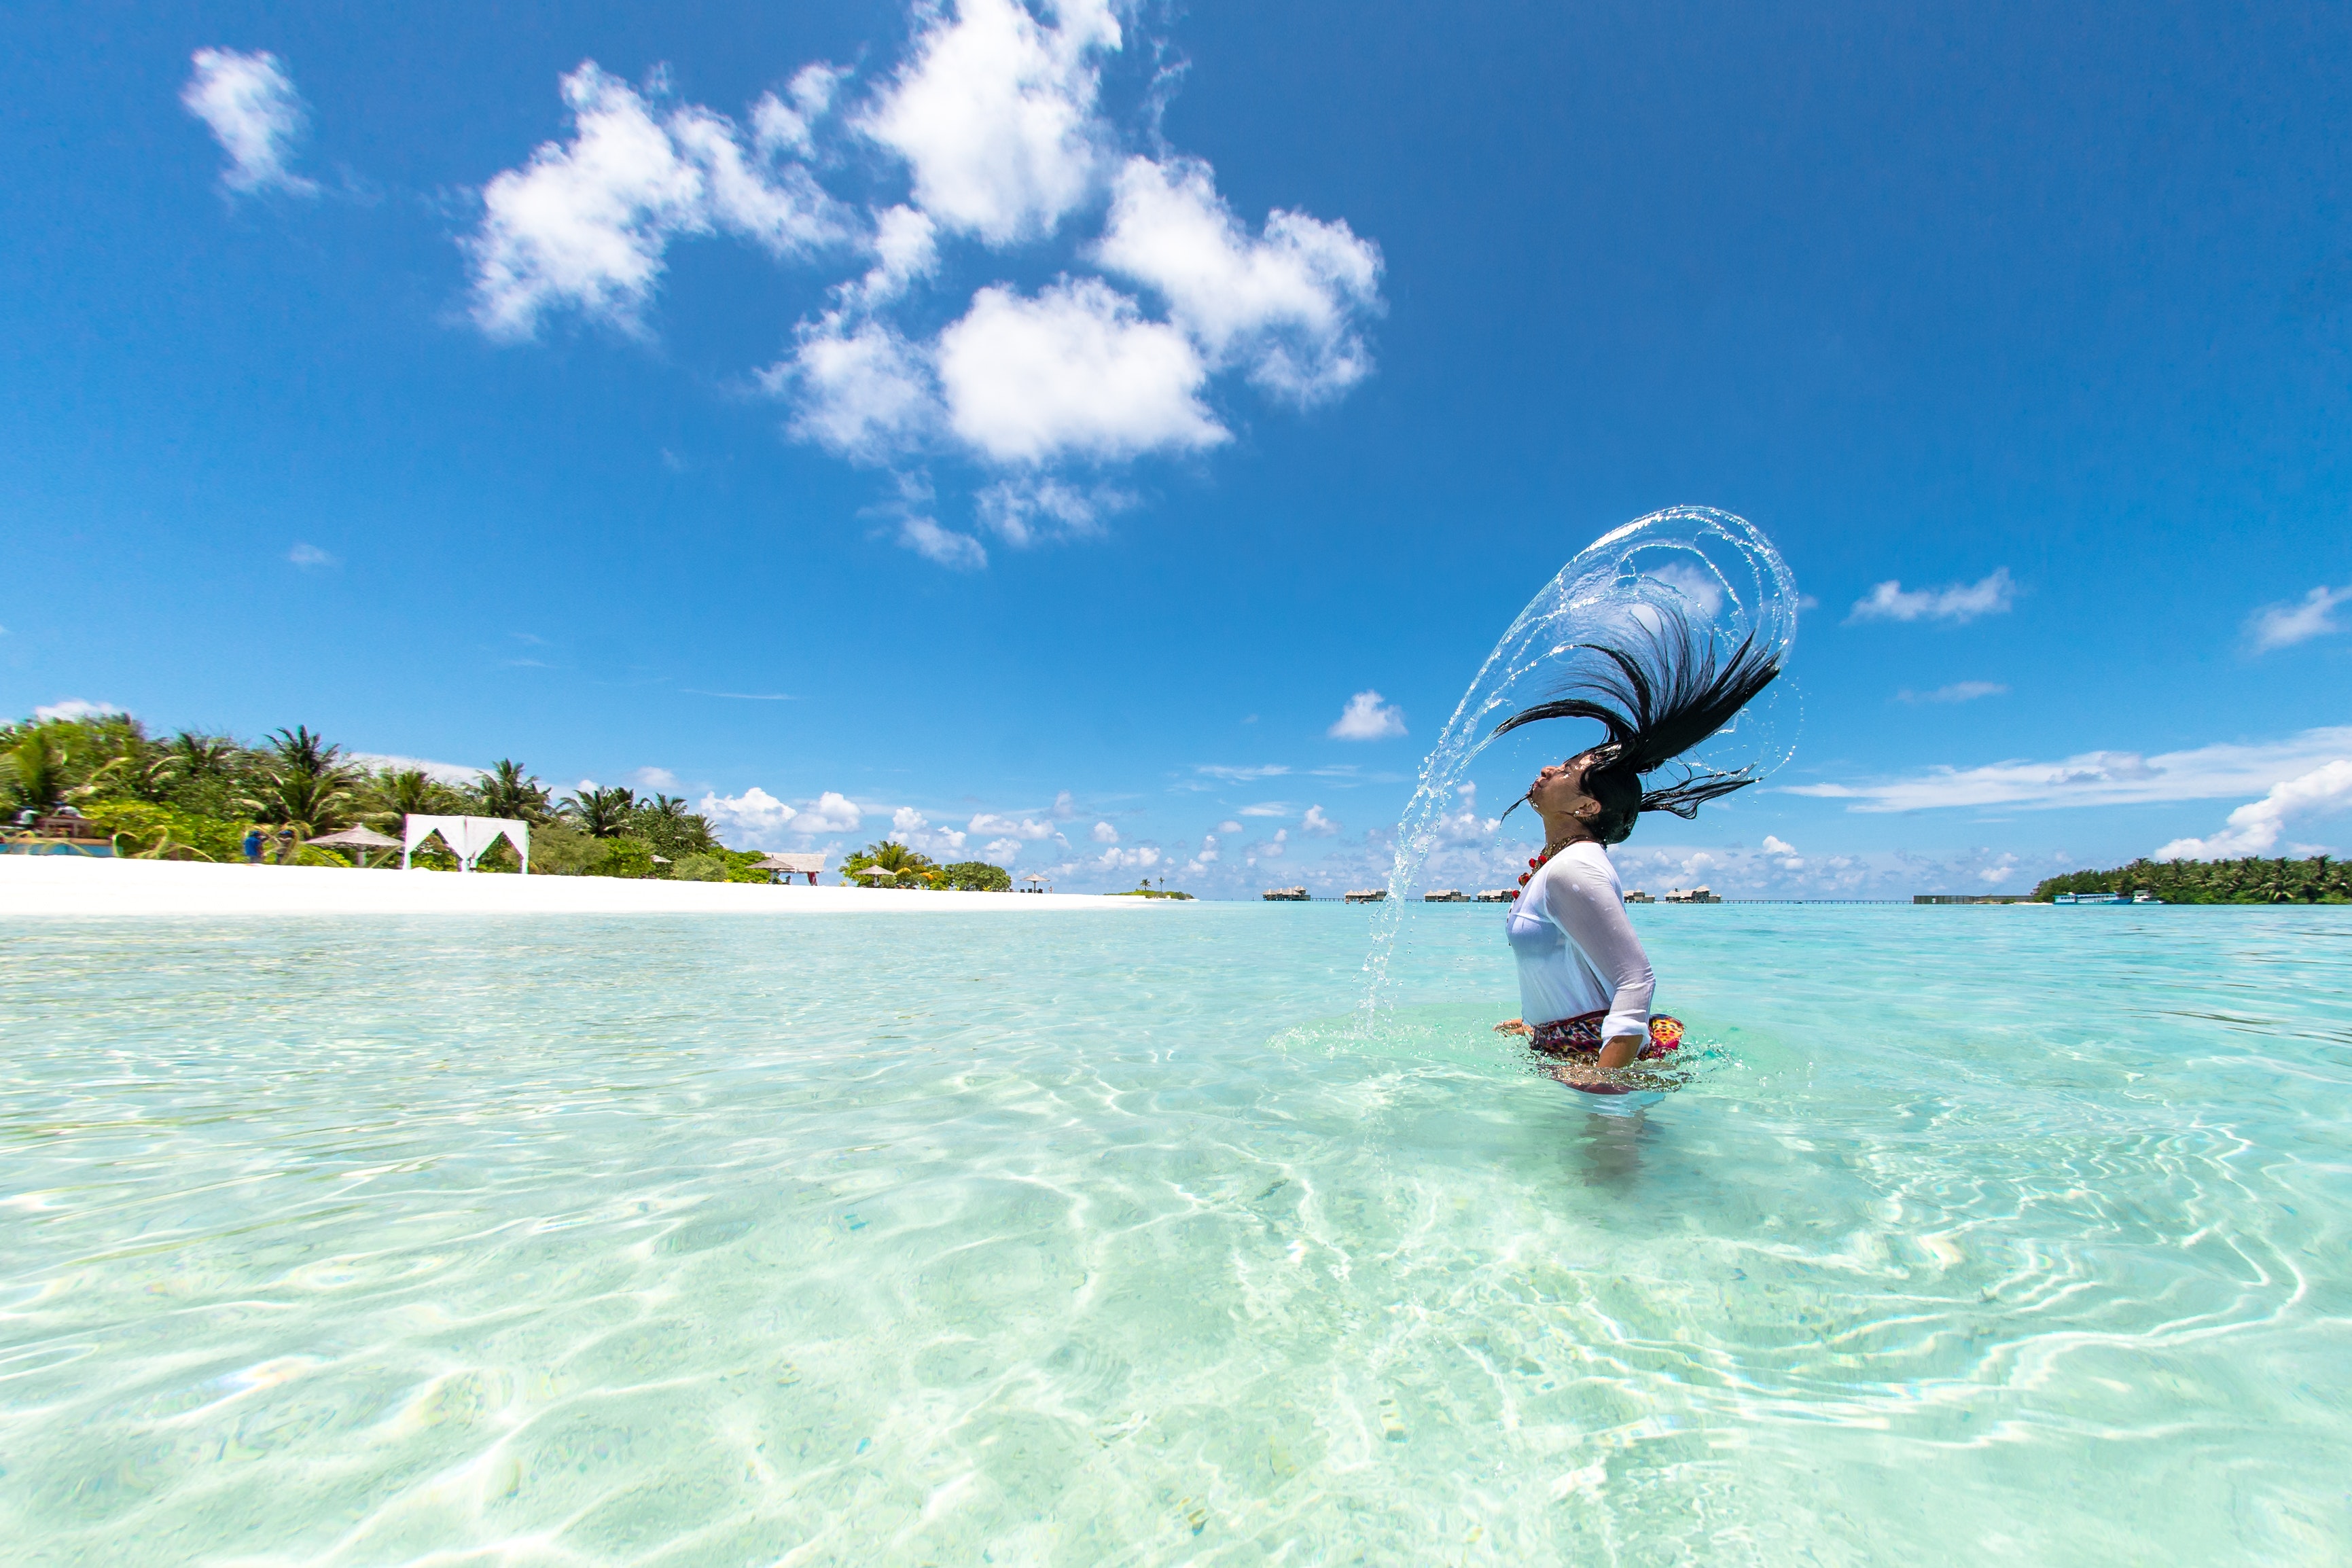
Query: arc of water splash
(1599, 583)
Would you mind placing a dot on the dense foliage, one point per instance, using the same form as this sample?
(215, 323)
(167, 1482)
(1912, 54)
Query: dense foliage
(2318, 880)
(912, 869)
(193, 797)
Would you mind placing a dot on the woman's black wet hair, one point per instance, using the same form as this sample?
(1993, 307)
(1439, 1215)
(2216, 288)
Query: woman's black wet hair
(1659, 692)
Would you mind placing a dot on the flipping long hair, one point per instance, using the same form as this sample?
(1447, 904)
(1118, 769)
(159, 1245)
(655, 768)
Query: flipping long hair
(1659, 693)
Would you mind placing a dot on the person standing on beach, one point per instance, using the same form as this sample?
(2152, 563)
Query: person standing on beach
(1585, 985)
(253, 844)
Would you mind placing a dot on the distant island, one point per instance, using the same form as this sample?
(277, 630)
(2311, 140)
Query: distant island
(2252, 880)
(194, 795)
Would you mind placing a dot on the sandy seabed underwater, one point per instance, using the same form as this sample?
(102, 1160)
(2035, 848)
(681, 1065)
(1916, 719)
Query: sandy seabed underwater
(1976, 1234)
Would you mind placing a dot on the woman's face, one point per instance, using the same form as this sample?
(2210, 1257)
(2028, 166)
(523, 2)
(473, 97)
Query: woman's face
(1558, 790)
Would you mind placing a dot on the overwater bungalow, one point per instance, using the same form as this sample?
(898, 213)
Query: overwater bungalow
(1698, 895)
(1639, 897)
(1368, 895)
(1445, 896)
(1284, 895)
(1497, 896)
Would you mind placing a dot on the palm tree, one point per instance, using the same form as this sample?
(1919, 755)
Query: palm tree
(508, 790)
(198, 757)
(664, 822)
(892, 856)
(602, 812)
(305, 784)
(33, 772)
(390, 796)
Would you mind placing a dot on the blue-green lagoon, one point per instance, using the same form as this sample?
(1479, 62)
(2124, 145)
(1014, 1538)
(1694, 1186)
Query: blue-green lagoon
(1977, 1235)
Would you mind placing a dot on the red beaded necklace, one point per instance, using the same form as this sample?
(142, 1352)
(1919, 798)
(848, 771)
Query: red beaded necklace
(1536, 863)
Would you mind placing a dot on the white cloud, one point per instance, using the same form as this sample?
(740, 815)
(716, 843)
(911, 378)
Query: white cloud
(2282, 626)
(862, 390)
(1105, 834)
(660, 779)
(2253, 828)
(1365, 718)
(1959, 691)
(1268, 808)
(1315, 824)
(76, 708)
(1033, 509)
(1141, 860)
(1022, 828)
(2098, 778)
(585, 223)
(250, 105)
(439, 772)
(779, 127)
(1790, 860)
(310, 557)
(1286, 304)
(958, 551)
(760, 820)
(1241, 775)
(1701, 588)
(755, 817)
(994, 114)
(1065, 808)
(1003, 851)
(911, 828)
(830, 813)
(1961, 603)
(1075, 372)
(1229, 827)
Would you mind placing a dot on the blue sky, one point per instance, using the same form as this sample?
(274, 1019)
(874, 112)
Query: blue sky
(1041, 426)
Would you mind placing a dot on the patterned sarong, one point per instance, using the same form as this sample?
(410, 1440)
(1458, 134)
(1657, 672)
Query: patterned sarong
(1579, 1039)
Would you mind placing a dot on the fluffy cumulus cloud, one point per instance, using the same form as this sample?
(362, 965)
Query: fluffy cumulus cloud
(1138, 859)
(995, 119)
(585, 223)
(993, 114)
(1961, 603)
(1286, 304)
(2254, 828)
(1367, 717)
(756, 819)
(660, 779)
(1075, 371)
(1105, 834)
(2098, 778)
(1315, 824)
(911, 828)
(249, 104)
(2283, 626)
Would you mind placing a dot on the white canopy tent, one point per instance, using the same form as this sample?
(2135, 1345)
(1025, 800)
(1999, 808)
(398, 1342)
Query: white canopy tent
(469, 837)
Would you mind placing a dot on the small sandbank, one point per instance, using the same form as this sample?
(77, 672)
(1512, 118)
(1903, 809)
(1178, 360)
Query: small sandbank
(69, 885)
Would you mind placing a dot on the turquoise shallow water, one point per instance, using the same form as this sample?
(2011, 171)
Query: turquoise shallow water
(1979, 1234)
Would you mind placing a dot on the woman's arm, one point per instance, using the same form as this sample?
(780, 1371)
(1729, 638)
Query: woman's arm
(1589, 910)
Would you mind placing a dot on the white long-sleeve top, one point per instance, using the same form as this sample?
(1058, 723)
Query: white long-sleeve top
(1577, 952)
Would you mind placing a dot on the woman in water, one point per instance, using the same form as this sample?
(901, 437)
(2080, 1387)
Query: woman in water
(1584, 982)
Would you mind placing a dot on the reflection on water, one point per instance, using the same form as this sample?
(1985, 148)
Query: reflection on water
(888, 1240)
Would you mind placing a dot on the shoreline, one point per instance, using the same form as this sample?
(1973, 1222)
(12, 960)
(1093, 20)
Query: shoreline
(60, 885)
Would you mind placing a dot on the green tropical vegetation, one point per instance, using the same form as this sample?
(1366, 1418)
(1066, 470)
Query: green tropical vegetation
(1144, 890)
(2252, 880)
(912, 869)
(192, 797)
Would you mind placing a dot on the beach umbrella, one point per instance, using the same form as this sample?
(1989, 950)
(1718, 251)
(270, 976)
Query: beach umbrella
(360, 839)
(876, 871)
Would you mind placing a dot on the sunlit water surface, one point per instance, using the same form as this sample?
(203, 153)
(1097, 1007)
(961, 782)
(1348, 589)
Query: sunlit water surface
(1980, 1235)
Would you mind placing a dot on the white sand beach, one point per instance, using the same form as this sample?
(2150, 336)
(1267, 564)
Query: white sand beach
(69, 885)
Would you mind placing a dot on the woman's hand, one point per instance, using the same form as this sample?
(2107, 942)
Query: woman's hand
(1515, 1026)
